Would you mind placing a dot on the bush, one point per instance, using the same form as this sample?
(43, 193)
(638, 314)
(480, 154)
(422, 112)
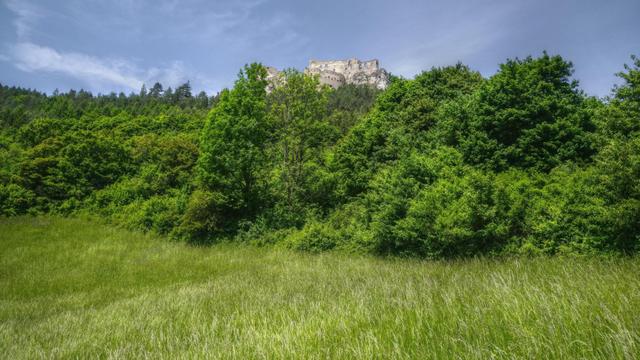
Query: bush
(202, 219)
(15, 200)
(315, 236)
(455, 216)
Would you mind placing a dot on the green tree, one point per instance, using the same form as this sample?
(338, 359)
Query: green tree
(202, 100)
(232, 159)
(621, 119)
(156, 90)
(401, 121)
(528, 115)
(168, 95)
(143, 91)
(72, 165)
(297, 113)
(183, 92)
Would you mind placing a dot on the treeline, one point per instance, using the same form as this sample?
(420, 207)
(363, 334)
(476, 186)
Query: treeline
(443, 165)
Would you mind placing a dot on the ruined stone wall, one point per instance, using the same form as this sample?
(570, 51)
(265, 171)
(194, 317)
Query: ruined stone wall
(353, 71)
(336, 73)
(273, 79)
(331, 78)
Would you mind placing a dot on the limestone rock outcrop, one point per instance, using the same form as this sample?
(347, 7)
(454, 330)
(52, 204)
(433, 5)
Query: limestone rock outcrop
(336, 73)
(273, 78)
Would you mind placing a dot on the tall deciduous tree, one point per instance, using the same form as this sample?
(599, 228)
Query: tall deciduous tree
(528, 115)
(622, 117)
(298, 111)
(232, 160)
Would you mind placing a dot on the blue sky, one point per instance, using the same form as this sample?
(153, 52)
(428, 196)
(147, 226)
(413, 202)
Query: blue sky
(117, 45)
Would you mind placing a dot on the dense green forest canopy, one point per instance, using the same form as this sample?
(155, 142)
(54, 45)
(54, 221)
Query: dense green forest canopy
(443, 165)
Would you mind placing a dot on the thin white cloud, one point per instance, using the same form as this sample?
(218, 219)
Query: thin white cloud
(241, 28)
(453, 40)
(445, 49)
(228, 22)
(170, 76)
(27, 14)
(31, 58)
(98, 74)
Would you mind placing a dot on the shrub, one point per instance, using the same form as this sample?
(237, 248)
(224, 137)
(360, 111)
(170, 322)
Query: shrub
(15, 200)
(315, 236)
(202, 219)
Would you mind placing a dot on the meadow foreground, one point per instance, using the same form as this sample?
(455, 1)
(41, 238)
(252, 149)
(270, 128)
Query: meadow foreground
(72, 288)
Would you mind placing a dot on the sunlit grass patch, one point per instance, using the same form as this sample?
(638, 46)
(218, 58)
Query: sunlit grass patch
(71, 288)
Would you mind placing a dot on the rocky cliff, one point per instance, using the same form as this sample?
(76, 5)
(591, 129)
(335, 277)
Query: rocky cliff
(340, 72)
(353, 71)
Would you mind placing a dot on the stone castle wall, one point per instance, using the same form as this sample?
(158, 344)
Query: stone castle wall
(353, 71)
(340, 72)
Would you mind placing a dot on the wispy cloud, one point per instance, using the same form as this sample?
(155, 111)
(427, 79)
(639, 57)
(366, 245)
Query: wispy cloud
(27, 14)
(210, 19)
(31, 57)
(172, 75)
(453, 39)
(97, 73)
(239, 28)
(235, 26)
(443, 49)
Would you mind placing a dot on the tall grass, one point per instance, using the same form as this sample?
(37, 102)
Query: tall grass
(70, 288)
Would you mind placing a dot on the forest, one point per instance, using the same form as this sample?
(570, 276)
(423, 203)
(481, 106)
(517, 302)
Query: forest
(448, 164)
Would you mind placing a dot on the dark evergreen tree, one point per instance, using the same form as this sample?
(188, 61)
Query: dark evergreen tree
(156, 91)
(143, 91)
(183, 92)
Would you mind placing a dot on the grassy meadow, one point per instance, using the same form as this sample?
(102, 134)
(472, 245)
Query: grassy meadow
(75, 289)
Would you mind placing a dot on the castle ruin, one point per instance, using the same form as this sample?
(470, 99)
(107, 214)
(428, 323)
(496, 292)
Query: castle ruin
(336, 73)
(353, 71)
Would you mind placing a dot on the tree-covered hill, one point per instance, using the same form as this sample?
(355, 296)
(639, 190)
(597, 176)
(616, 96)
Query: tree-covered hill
(443, 165)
